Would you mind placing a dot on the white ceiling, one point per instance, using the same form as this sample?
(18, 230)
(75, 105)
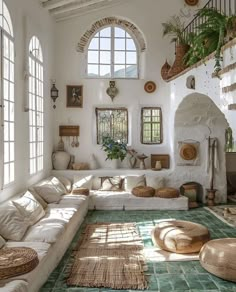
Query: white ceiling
(63, 9)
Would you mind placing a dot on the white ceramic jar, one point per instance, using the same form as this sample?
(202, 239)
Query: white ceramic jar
(60, 160)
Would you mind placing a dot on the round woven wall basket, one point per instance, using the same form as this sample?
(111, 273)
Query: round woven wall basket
(164, 70)
(191, 2)
(188, 152)
(17, 261)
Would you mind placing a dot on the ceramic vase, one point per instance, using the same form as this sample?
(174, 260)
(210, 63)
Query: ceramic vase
(60, 160)
(114, 163)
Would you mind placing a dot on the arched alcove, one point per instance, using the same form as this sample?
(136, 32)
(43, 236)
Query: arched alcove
(197, 119)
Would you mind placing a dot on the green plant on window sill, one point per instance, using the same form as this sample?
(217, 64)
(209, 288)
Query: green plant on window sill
(114, 149)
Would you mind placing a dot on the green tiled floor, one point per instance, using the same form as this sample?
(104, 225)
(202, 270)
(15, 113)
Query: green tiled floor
(162, 276)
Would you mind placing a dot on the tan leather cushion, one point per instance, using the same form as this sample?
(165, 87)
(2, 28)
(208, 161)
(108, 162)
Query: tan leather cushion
(167, 193)
(218, 257)
(180, 236)
(143, 191)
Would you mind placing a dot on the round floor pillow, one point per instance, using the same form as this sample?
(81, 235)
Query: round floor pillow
(180, 236)
(80, 191)
(143, 191)
(17, 261)
(218, 258)
(167, 193)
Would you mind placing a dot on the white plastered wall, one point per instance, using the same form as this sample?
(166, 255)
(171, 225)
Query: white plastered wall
(29, 19)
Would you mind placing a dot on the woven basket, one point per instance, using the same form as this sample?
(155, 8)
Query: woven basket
(167, 193)
(178, 65)
(143, 191)
(80, 191)
(17, 261)
(164, 70)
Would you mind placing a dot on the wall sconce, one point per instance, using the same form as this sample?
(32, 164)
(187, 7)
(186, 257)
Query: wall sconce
(54, 93)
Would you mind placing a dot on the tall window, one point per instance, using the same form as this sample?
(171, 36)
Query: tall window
(112, 53)
(35, 106)
(7, 96)
(151, 125)
(112, 122)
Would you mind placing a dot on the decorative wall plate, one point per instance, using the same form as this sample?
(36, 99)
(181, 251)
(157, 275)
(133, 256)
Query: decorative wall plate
(191, 2)
(188, 152)
(150, 86)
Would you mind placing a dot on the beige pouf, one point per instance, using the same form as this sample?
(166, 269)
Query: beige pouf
(80, 191)
(143, 191)
(218, 257)
(167, 193)
(180, 236)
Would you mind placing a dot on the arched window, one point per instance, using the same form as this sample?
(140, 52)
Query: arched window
(36, 111)
(112, 53)
(8, 96)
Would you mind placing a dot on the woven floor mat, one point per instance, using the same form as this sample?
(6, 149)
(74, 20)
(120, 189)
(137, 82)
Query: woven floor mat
(109, 255)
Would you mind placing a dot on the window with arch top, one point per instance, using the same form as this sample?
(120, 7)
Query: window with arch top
(112, 53)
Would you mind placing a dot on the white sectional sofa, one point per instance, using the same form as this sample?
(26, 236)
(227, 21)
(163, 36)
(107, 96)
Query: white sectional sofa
(49, 231)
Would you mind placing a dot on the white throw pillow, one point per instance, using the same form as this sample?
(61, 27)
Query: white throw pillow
(155, 181)
(111, 183)
(83, 181)
(12, 224)
(66, 182)
(2, 241)
(50, 189)
(96, 184)
(29, 207)
(134, 181)
(41, 201)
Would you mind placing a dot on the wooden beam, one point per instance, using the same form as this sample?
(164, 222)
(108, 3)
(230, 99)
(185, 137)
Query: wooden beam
(76, 5)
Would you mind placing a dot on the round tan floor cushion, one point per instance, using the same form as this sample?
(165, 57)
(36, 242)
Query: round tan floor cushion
(167, 193)
(143, 191)
(218, 257)
(80, 191)
(16, 261)
(180, 236)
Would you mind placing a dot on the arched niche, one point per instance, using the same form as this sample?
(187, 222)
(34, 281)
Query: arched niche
(196, 119)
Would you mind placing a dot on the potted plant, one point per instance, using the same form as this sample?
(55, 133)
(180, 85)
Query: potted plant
(175, 29)
(115, 150)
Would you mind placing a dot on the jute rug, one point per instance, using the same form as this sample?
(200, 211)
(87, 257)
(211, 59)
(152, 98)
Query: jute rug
(109, 255)
(226, 213)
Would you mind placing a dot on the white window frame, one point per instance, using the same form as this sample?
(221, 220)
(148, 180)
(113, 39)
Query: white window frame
(7, 56)
(112, 50)
(36, 107)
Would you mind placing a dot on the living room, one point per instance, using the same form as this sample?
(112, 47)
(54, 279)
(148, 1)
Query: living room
(76, 71)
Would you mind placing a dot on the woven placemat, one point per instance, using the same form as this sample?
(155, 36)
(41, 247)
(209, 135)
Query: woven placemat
(17, 261)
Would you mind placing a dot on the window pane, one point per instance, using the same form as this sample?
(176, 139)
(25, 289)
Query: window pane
(93, 57)
(119, 71)
(93, 44)
(105, 70)
(119, 32)
(151, 128)
(120, 44)
(131, 58)
(130, 45)
(119, 57)
(105, 57)
(132, 71)
(93, 70)
(6, 69)
(105, 44)
(6, 47)
(106, 32)
(6, 93)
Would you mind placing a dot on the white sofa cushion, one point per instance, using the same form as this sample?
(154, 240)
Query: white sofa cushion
(155, 181)
(66, 182)
(41, 201)
(84, 181)
(2, 241)
(134, 181)
(12, 224)
(44, 232)
(29, 207)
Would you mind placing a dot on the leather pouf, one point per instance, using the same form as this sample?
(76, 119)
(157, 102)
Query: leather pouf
(143, 191)
(167, 193)
(218, 257)
(180, 236)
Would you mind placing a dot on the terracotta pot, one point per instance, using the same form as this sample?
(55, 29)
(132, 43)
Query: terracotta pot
(178, 66)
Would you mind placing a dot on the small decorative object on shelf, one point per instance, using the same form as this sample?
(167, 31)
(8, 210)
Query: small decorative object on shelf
(142, 157)
(114, 149)
(112, 91)
(150, 86)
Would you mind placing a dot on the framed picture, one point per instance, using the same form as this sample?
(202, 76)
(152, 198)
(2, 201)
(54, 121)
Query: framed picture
(74, 96)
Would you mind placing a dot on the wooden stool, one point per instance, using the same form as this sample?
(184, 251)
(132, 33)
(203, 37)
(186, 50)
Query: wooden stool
(218, 258)
(180, 236)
